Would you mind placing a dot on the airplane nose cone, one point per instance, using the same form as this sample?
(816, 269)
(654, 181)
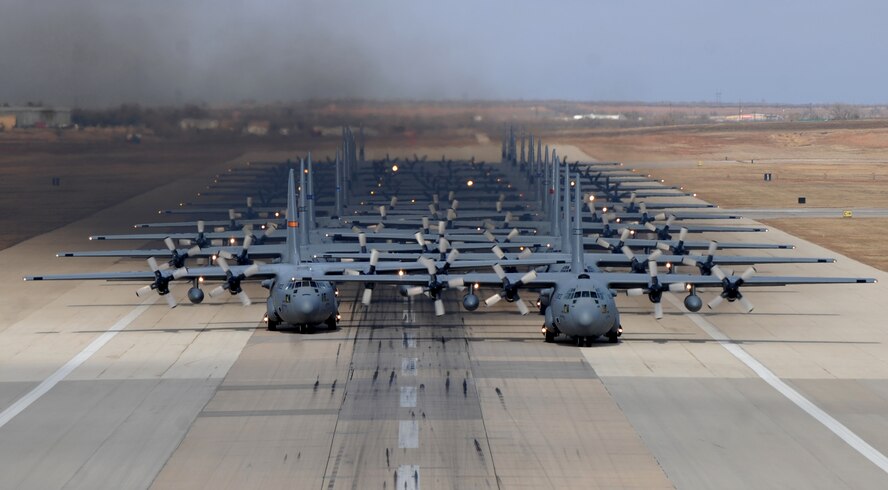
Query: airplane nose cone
(584, 314)
(307, 304)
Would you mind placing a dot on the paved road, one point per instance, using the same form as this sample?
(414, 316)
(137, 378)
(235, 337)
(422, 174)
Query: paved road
(202, 397)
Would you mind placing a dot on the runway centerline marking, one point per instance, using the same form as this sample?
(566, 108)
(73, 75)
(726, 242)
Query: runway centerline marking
(768, 376)
(408, 477)
(61, 373)
(408, 397)
(408, 366)
(408, 434)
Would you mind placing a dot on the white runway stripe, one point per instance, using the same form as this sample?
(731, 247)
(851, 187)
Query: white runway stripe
(408, 396)
(836, 427)
(47, 384)
(408, 434)
(408, 477)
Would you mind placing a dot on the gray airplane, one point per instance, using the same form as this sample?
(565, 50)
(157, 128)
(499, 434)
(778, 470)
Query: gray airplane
(579, 301)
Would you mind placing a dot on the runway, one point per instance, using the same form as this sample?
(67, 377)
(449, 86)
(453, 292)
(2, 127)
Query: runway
(203, 397)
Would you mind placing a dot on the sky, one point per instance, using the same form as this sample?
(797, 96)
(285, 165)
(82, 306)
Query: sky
(96, 53)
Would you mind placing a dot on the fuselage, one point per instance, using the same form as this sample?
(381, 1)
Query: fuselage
(302, 302)
(582, 308)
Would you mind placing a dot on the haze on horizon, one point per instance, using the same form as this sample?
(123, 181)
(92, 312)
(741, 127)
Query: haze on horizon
(103, 52)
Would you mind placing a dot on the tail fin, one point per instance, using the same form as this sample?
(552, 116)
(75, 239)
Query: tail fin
(291, 254)
(577, 255)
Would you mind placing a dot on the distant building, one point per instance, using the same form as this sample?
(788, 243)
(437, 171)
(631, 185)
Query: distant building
(752, 116)
(37, 117)
(7, 121)
(190, 124)
(606, 117)
(258, 128)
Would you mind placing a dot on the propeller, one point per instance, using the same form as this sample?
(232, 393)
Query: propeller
(243, 257)
(435, 287)
(233, 282)
(161, 282)
(640, 266)
(731, 288)
(178, 258)
(368, 287)
(679, 247)
(509, 290)
(663, 231)
(705, 266)
(655, 289)
(270, 228)
(625, 233)
(200, 240)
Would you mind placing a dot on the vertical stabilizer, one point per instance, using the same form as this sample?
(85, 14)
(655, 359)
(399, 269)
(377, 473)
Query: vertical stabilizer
(310, 220)
(565, 215)
(303, 235)
(291, 254)
(577, 264)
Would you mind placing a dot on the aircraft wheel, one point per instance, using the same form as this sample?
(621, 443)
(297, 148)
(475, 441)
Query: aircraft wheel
(271, 324)
(550, 336)
(613, 338)
(580, 341)
(331, 322)
(588, 341)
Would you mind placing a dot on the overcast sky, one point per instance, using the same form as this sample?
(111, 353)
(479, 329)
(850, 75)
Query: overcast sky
(102, 52)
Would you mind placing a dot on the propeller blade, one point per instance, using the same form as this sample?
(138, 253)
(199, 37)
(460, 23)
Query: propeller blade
(221, 262)
(656, 254)
(429, 264)
(217, 291)
(498, 252)
(489, 236)
(512, 234)
(652, 268)
(193, 251)
(351, 272)
(715, 302)
(663, 246)
(374, 257)
(248, 240)
(439, 307)
(180, 273)
(747, 274)
(451, 215)
(718, 273)
(185, 242)
(628, 252)
(365, 298)
(677, 287)
(658, 310)
(525, 254)
(451, 257)
(226, 255)
(169, 243)
(682, 234)
(415, 290)
(493, 300)
(746, 304)
(419, 239)
(650, 227)
(244, 299)
(603, 243)
(522, 307)
(152, 264)
(170, 300)
(660, 217)
(529, 277)
(456, 283)
(499, 206)
(442, 227)
(713, 245)
(689, 262)
(634, 292)
(425, 223)
(249, 271)
(200, 226)
(142, 291)
(362, 239)
(624, 235)
(454, 205)
(443, 245)
(499, 271)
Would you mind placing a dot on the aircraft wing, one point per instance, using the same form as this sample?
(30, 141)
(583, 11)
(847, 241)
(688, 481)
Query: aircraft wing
(631, 281)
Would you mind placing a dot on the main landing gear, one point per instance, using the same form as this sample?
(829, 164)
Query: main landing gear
(549, 334)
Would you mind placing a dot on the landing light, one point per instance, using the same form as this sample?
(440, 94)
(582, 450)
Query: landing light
(591, 198)
(413, 201)
(604, 209)
(200, 279)
(231, 241)
(394, 168)
(400, 272)
(476, 286)
(470, 183)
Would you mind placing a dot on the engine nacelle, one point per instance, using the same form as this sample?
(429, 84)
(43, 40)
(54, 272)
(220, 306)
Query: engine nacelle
(471, 302)
(546, 297)
(402, 290)
(195, 295)
(693, 303)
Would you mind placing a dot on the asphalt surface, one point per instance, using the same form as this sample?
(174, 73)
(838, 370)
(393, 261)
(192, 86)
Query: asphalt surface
(100, 389)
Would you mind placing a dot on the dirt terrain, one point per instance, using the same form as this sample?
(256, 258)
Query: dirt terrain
(836, 165)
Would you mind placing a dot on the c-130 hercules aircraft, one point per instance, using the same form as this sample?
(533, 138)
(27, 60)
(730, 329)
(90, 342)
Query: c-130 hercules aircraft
(578, 301)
